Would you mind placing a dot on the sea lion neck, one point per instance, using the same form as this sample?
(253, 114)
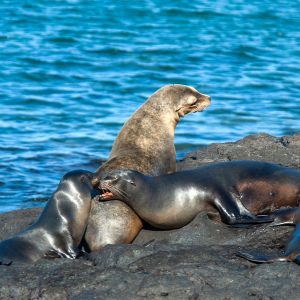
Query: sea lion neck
(162, 108)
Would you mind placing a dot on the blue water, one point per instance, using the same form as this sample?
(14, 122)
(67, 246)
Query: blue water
(72, 72)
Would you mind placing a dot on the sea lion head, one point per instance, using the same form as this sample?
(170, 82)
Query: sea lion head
(72, 203)
(80, 179)
(182, 99)
(117, 184)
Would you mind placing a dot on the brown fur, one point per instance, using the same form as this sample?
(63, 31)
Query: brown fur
(110, 225)
(268, 195)
(146, 141)
(146, 144)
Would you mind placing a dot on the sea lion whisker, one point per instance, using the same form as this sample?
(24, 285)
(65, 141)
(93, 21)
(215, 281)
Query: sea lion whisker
(114, 190)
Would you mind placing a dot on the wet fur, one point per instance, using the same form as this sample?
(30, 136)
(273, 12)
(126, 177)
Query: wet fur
(60, 227)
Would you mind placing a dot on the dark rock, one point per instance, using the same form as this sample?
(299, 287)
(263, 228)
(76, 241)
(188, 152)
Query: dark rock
(197, 261)
(14, 221)
(262, 147)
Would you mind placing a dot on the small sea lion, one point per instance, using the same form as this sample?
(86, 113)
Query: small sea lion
(239, 190)
(59, 229)
(146, 144)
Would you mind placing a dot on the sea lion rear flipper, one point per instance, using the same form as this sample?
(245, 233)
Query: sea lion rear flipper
(261, 257)
(285, 216)
(292, 252)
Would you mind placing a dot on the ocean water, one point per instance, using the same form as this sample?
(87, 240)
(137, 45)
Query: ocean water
(72, 72)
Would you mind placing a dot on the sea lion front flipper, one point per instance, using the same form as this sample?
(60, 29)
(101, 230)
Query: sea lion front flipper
(249, 220)
(232, 211)
(242, 221)
(259, 219)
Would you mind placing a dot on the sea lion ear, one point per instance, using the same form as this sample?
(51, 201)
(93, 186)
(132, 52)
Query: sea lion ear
(83, 178)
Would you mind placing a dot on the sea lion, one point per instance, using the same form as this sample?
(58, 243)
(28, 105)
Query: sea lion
(239, 190)
(146, 141)
(59, 229)
(146, 144)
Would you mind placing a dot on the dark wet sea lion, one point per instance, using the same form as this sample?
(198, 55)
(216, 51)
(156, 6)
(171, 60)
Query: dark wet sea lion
(239, 190)
(146, 144)
(59, 229)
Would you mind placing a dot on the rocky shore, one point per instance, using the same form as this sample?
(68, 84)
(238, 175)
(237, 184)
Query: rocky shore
(197, 261)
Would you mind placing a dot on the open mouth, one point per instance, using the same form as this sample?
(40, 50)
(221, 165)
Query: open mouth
(197, 107)
(105, 194)
(200, 106)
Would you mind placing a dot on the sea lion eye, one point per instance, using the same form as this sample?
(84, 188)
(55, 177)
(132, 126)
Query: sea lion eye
(192, 100)
(130, 181)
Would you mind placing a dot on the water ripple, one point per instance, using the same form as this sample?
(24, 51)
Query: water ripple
(73, 71)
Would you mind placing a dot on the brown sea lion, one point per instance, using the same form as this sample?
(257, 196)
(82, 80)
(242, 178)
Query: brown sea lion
(59, 229)
(146, 144)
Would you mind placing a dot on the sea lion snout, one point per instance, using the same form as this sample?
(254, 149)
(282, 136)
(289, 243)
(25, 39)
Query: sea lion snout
(204, 101)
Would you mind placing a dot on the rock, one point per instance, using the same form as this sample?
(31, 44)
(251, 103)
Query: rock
(262, 147)
(197, 261)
